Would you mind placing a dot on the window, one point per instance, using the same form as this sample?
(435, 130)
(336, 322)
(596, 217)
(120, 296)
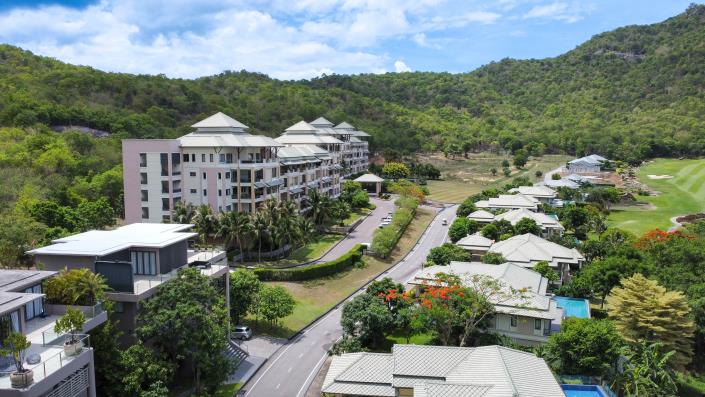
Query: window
(192, 173)
(219, 176)
(185, 158)
(143, 159)
(220, 192)
(166, 218)
(175, 159)
(538, 324)
(194, 191)
(211, 157)
(513, 321)
(203, 157)
(222, 157)
(164, 160)
(144, 262)
(35, 307)
(274, 172)
(165, 204)
(165, 186)
(228, 207)
(118, 307)
(227, 192)
(205, 192)
(145, 213)
(143, 178)
(204, 175)
(227, 175)
(193, 157)
(229, 158)
(144, 195)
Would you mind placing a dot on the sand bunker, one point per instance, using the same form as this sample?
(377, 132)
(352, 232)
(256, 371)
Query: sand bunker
(660, 176)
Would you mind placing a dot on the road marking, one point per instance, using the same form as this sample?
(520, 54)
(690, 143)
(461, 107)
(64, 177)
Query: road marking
(316, 368)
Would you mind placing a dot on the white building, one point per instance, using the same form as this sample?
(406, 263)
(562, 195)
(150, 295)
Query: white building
(509, 202)
(541, 193)
(548, 224)
(588, 164)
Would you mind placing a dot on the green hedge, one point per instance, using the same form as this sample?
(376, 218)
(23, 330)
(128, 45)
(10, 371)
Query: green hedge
(384, 240)
(318, 270)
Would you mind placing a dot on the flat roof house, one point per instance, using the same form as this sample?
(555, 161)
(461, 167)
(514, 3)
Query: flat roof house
(527, 250)
(441, 371)
(23, 309)
(135, 259)
(529, 318)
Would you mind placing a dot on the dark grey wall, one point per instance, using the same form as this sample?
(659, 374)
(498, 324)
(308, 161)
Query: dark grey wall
(123, 255)
(173, 256)
(117, 274)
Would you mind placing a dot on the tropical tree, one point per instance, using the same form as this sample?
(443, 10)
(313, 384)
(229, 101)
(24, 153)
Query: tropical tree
(244, 288)
(76, 287)
(644, 311)
(447, 253)
(366, 317)
(183, 212)
(527, 225)
(647, 372)
(544, 269)
(234, 227)
(319, 207)
(395, 170)
(144, 367)
(274, 303)
(260, 229)
(205, 222)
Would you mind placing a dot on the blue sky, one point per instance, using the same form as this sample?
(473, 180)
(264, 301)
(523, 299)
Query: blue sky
(294, 39)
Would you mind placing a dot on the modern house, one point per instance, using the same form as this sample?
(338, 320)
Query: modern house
(55, 373)
(441, 371)
(509, 202)
(549, 225)
(482, 216)
(477, 244)
(527, 250)
(135, 259)
(224, 166)
(541, 193)
(591, 163)
(525, 314)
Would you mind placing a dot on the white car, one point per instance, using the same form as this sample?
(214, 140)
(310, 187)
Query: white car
(242, 332)
(444, 222)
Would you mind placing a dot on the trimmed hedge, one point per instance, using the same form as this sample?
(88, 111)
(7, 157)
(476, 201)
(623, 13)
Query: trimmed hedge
(318, 270)
(384, 240)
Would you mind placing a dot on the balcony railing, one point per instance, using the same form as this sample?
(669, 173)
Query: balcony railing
(49, 337)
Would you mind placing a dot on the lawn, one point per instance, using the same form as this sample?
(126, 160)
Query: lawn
(311, 251)
(227, 390)
(315, 297)
(463, 177)
(681, 195)
(355, 215)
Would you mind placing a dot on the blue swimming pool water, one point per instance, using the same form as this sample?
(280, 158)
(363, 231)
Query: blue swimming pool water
(574, 307)
(583, 391)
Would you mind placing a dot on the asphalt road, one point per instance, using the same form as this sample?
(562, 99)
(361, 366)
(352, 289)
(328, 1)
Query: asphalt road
(291, 369)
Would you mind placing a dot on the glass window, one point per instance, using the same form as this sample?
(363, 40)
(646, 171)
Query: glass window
(144, 262)
(165, 186)
(164, 161)
(165, 204)
(538, 324)
(203, 157)
(228, 158)
(513, 320)
(204, 175)
(145, 213)
(144, 194)
(143, 159)
(192, 173)
(143, 178)
(221, 157)
(205, 192)
(194, 191)
(211, 157)
(220, 192)
(220, 176)
(227, 175)
(193, 157)
(185, 158)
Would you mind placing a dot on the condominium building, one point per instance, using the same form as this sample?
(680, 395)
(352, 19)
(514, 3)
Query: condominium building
(224, 166)
(55, 372)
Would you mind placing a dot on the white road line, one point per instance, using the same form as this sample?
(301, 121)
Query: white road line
(316, 368)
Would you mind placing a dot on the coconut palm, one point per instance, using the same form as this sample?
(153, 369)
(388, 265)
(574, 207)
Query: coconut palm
(260, 229)
(305, 230)
(183, 213)
(320, 207)
(204, 221)
(234, 227)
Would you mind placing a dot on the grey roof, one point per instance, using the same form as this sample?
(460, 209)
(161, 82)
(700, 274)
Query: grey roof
(369, 178)
(475, 242)
(293, 139)
(593, 159)
(11, 301)
(220, 120)
(226, 139)
(321, 122)
(301, 127)
(527, 250)
(104, 242)
(17, 280)
(563, 182)
(344, 126)
(541, 219)
(509, 201)
(435, 371)
(535, 191)
(481, 215)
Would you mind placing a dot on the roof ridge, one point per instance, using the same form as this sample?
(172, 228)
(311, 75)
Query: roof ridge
(506, 371)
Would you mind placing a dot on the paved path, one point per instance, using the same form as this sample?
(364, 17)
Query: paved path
(363, 232)
(291, 369)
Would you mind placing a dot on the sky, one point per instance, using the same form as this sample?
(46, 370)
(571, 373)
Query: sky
(301, 39)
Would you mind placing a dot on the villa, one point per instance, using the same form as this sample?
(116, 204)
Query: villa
(529, 317)
(55, 373)
(549, 225)
(441, 371)
(591, 163)
(477, 244)
(134, 259)
(527, 250)
(481, 216)
(541, 193)
(509, 202)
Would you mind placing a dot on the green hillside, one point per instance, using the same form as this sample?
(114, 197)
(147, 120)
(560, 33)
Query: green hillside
(632, 93)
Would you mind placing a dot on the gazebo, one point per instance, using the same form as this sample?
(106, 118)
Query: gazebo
(371, 178)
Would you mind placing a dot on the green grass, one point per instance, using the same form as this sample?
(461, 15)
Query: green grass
(228, 390)
(311, 251)
(464, 177)
(681, 195)
(315, 297)
(355, 215)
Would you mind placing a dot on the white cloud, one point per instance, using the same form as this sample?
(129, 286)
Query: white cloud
(559, 11)
(401, 67)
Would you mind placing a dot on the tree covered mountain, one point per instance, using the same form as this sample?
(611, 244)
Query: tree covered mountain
(632, 93)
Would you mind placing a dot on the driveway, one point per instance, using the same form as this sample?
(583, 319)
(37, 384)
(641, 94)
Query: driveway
(290, 371)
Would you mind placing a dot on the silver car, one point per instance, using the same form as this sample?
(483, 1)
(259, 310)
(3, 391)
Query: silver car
(242, 332)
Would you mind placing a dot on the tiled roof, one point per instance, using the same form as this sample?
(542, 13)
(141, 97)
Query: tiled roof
(541, 219)
(508, 201)
(527, 250)
(369, 178)
(475, 241)
(220, 120)
(437, 389)
(227, 139)
(301, 127)
(535, 191)
(344, 126)
(321, 122)
(481, 215)
(413, 360)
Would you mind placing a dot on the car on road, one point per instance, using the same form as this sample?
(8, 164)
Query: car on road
(444, 222)
(242, 332)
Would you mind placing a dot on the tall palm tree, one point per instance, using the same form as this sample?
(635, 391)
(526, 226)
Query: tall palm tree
(183, 213)
(234, 227)
(260, 229)
(204, 221)
(305, 230)
(320, 207)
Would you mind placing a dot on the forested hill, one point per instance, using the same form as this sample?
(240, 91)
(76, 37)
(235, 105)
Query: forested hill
(635, 92)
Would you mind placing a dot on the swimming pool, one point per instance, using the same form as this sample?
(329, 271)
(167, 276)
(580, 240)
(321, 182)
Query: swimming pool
(583, 391)
(574, 307)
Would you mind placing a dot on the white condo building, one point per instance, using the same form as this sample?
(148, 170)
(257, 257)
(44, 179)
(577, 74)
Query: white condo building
(221, 164)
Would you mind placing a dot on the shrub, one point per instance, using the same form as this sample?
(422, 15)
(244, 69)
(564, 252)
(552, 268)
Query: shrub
(347, 260)
(555, 176)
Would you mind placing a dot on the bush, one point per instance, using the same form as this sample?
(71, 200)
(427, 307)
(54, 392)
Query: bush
(556, 176)
(384, 240)
(346, 261)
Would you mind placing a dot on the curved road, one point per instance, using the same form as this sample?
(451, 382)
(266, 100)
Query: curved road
(290, 371)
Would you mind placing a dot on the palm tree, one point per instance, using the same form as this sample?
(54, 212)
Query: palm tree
(320, 207)
(646, 371)
(183, 213)
(305, 230)
(234, 227)
(204, 220)
(260, 228)
(90, 287)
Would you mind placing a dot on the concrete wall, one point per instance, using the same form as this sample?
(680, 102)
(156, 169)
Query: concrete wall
(173, 256)
(59, 262)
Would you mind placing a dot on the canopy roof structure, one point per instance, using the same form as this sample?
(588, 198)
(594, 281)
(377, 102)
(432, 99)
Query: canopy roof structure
(369, 178)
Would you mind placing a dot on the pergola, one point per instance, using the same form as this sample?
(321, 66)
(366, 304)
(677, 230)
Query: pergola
(371, 178)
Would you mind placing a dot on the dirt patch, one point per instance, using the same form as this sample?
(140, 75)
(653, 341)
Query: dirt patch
(660, 176)
(690, 218)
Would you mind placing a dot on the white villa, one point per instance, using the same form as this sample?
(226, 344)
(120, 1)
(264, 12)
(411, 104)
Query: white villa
(591, 163)
(482, 216)
(541, 193)
(441, 371)
(477, 244)
(527, 250)
(548, 224)
(509, 202)
(529, 318)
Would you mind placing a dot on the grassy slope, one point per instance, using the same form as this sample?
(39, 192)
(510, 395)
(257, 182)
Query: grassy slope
(311, 251)
(464, 177)
(681, 195)
(314, 297)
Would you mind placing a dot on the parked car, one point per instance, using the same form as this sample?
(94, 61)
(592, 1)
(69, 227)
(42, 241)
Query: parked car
(242, 332)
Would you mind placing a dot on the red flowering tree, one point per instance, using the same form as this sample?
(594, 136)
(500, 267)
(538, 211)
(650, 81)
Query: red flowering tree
(456, 308)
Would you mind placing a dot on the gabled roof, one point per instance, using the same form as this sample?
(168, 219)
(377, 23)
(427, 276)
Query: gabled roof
(593, 159)
(475, 242)
(527, 250)
(535, 191)
(220, 120)
(321, 122)
(344, 126)
(563, 182)
(226, 139)
(369, 178)
(301, 127)
(509, 201)
(481, 215)
(541, 219)
(307, 139)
